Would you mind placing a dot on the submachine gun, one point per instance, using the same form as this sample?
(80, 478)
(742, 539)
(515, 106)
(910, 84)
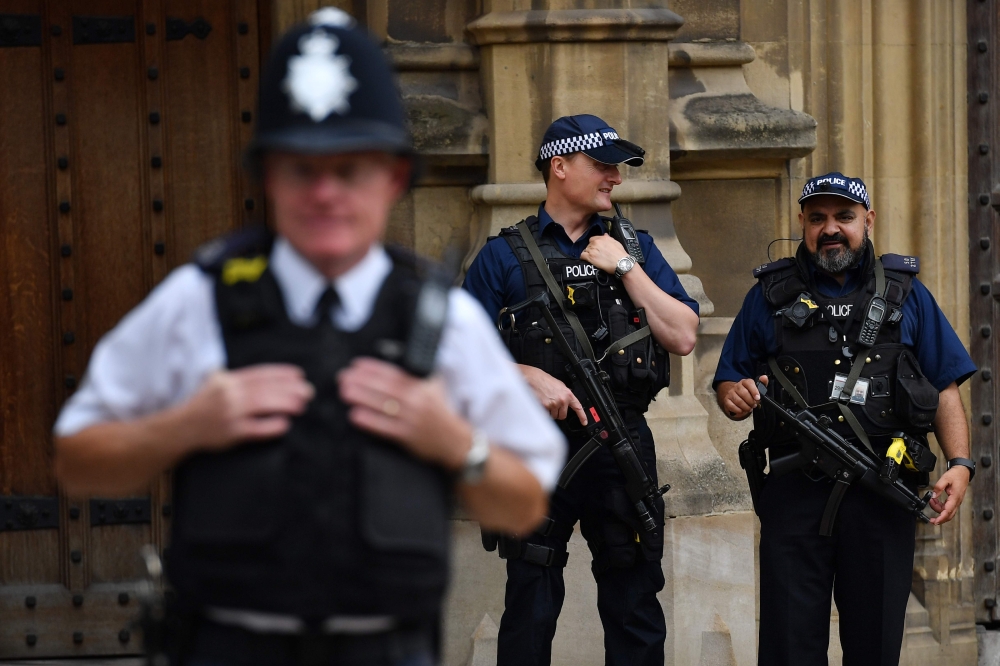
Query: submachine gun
(824, 449)
(606, 425)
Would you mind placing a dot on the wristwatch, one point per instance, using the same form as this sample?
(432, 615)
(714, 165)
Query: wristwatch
(475, 459)
(625, 264)
(964, 462)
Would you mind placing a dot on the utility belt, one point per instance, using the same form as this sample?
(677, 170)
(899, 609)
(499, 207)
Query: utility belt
(197, 637)
(230, 644)
(512, 548)
(618, 543)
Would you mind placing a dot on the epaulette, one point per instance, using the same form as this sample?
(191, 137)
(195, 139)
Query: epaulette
(608, 220)
(507, 231)
(773, 266)
(901, 263)
(211, 256)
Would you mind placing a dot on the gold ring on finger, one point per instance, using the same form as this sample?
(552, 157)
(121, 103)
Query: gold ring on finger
(390, 407)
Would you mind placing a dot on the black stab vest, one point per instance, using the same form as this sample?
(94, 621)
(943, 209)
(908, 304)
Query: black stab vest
(637, 374)
(812, 355)
(325, 520)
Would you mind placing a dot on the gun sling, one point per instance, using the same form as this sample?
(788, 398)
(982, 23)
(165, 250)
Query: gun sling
(571, 318)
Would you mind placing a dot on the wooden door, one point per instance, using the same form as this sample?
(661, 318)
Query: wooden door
(121, 129)
(984, 296)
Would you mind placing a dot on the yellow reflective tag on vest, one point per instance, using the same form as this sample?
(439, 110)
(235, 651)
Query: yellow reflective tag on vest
(809, 303)
(569, 294)
(239, 269)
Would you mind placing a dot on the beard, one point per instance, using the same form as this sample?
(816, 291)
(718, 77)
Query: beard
(838, 259)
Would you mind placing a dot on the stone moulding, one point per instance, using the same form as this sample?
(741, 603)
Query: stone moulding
(432, 57)
(717, 125)
(714, 54)
(529, 194)
(575, 25)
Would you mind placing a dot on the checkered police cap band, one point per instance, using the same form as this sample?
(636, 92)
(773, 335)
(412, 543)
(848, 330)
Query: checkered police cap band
(573, 144)
(855, 187)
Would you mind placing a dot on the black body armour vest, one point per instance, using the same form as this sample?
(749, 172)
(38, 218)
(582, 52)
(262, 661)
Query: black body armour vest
(325, 520)
(606, 313)
(817, 342)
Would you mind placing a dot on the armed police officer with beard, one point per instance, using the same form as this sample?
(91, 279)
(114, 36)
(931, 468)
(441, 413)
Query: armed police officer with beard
(859, 342)
(284, 377)
(613, 296)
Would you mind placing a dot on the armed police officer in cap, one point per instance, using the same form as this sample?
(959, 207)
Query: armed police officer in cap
(284, 377)
(608, 292)
(856, 346)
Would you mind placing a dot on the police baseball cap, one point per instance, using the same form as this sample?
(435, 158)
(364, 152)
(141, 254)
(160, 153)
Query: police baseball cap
(327, 88)
(837, 184)
(588, 135)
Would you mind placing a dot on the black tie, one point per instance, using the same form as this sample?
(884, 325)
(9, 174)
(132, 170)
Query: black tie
(327, 301)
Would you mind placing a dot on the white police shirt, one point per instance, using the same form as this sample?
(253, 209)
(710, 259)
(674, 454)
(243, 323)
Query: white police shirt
(162, 351)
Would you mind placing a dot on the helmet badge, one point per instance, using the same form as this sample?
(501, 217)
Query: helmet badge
(333, 17)
(319, 81)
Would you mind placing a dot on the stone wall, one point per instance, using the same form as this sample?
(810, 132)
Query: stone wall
(737, 102)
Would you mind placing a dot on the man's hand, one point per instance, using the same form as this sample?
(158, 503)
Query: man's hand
(119, 458)
(604, 252)
(256, 402)
(952, 432)
(390, 403)
(555, 396)
(952, 483)
(738, 399)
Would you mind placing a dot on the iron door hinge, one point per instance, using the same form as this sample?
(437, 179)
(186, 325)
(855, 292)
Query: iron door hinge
(119, 511)
(28, 513)
(178, 29)
(20, 30)
(103, 29)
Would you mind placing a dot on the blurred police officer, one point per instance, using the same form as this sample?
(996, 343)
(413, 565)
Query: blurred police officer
(807, 354)
(613, 296)
(279, 376)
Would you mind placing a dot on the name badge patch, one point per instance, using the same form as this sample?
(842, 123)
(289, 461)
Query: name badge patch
(581, 270)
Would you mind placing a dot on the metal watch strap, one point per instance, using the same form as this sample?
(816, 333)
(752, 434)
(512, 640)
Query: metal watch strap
(475, 460)
(964, 462)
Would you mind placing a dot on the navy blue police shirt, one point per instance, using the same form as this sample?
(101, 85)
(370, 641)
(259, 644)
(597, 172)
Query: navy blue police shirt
(925, 329)
(495, 278)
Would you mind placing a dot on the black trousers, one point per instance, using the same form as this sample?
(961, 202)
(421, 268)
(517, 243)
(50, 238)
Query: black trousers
(628, 573)
(866, 564)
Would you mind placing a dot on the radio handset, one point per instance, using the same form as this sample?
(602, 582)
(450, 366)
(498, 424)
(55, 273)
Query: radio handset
(623, 232)
(877, 308)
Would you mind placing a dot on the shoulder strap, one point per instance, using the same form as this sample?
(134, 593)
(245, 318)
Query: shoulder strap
(249, 242)
(626, 340)
(786, 383)
(857, 366)
(554, 290)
